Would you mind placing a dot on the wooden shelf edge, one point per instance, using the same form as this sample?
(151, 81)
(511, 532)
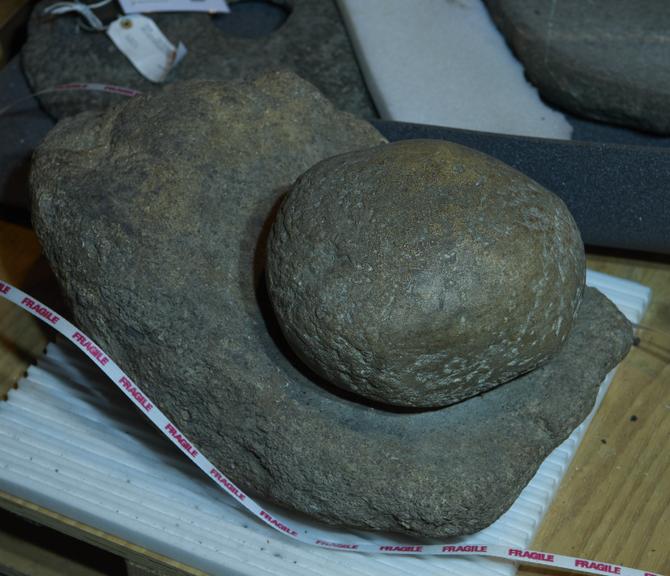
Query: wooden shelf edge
(134, 553)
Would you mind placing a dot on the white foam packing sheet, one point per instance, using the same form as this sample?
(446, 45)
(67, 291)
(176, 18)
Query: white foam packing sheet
(71, 442)
(445, 63)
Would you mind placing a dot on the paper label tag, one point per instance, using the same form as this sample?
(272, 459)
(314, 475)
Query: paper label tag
(142, 42)
(211, 6)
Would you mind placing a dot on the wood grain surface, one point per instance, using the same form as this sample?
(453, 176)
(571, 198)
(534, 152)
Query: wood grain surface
(138, 555)
(22, 337)
(614, 503)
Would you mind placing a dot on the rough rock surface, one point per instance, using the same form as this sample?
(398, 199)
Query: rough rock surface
(603, 59)
(154, 216)
(313, 42)
(421, 273)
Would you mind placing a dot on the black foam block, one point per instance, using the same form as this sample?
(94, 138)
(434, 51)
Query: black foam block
(618, 194)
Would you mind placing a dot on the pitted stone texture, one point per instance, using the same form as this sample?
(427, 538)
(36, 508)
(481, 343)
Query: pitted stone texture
(313, 42)
(603, 59)
(153, 216)
(422, 272)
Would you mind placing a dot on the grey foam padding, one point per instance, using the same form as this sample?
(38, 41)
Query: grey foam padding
(616, 192)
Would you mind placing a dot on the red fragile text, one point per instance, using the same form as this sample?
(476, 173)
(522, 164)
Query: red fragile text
(4, 289)
(464, 548)
(277, 524)
(337, 545)
(91, 348)
(185, 444)
(600, 566)
(136, 394)
(227, 484)
(515, 552)
(401, 548)
(40, 310)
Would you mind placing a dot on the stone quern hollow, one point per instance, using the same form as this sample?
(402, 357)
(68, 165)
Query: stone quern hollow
(155, 215)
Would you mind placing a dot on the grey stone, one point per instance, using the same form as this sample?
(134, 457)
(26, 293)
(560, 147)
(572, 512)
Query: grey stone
(313, 42)
(422, 272)
(603, 59)
(154, 216)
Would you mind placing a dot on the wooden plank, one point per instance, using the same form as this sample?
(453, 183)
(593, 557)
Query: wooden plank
(27, 549)
(137, 554)
(22, 337)
(614, 503)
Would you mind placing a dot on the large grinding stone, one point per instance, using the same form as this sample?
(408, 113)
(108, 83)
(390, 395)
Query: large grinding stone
(313, 42)
(154, 216)
(603, 59)
(421, 273)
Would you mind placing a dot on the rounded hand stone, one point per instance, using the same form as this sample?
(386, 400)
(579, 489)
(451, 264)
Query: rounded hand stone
(421, 273)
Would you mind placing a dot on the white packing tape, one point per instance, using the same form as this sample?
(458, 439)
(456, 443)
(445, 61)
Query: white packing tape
(147, 406)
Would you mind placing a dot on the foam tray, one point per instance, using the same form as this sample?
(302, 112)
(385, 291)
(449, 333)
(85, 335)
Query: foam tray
(70, 441)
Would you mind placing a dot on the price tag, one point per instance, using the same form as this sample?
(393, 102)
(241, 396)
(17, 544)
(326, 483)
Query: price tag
(142, 42)
(211, 6)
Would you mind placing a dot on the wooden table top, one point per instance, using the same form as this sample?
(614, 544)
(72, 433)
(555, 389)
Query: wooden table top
(614, 503)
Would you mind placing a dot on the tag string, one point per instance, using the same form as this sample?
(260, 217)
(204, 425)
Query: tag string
(85, 11)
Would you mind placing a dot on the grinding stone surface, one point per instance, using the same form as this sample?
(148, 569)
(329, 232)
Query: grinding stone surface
(603, 59)
(154, 216)
(422, 272)
(312, 42)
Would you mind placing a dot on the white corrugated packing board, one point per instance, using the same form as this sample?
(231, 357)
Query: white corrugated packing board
(70, 441)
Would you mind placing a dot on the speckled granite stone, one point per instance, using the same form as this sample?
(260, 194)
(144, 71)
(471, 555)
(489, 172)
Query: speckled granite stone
(603, 59)
(422, 272)
(154, 216)
(313, 42)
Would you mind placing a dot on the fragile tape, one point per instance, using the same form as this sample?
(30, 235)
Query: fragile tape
(100, 358)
